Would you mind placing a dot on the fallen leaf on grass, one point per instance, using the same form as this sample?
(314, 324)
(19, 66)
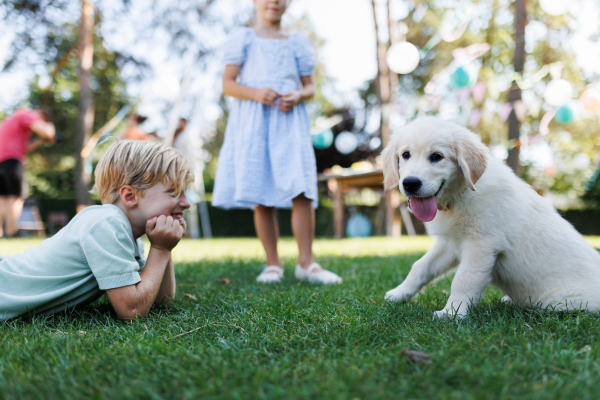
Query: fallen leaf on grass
(415, 356)
(445, 292)
(190, 296)
(224, 280)
(528, 326)
(586, 349)
(59, 332)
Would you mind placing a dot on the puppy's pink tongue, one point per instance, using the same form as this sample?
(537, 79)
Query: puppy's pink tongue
(423, 208)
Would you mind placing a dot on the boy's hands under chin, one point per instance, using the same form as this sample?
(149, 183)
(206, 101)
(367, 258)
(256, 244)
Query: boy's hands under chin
(164, 232)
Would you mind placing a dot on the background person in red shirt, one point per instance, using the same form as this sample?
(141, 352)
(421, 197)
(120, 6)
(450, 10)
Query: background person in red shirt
(15, 133)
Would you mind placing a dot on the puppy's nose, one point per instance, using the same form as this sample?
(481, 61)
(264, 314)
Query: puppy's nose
(412, 185)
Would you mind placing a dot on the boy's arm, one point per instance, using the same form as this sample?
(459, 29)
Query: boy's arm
(232, 88)
(134, 301)
(166, 293)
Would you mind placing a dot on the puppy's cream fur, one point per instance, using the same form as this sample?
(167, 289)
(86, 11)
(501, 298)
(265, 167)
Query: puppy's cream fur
(490, 224)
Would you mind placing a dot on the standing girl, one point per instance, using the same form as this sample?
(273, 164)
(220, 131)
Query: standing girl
(267, 160)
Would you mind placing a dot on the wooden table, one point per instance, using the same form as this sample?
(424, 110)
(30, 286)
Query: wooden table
(340, 184)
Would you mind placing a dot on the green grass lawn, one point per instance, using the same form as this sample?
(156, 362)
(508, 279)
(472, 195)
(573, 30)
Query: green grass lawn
(295, 340)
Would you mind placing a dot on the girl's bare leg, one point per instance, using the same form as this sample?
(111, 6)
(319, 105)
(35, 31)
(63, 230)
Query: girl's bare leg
(267, 229)
(303, 226)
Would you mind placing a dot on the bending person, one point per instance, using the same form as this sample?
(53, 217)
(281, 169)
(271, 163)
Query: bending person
(15, 133)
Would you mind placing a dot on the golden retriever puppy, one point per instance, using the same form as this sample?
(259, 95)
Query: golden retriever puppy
(489, 223)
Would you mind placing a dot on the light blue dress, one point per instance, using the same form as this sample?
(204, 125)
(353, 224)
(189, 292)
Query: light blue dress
(267, 156)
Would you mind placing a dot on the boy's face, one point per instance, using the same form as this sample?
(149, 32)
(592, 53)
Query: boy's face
(161, 200)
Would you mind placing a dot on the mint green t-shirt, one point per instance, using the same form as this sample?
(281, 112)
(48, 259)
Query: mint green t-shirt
(94, 252)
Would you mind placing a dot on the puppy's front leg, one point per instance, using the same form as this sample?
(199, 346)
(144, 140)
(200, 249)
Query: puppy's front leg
(474, 274)
(439, 259)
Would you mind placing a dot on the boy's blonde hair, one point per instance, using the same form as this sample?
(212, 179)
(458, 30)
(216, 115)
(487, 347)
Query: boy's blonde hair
(141, 164)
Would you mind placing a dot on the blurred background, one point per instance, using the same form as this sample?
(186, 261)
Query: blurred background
(523, 74)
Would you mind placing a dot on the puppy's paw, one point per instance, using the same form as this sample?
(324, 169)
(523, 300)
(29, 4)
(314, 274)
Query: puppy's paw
(449, 313)
(506, 299)
(398, 295)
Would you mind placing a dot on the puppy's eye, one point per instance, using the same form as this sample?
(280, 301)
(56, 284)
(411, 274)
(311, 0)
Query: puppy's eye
(406, 155)
(435, 157)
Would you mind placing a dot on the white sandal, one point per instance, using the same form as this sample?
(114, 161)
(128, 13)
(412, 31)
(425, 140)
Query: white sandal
(325, 277)
(271, 274)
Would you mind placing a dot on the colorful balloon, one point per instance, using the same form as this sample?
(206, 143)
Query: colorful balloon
(565, 114)
(323, 139)
(558, 92)
(590, 100)
(346, 142)
(463, 77)
(358, 226)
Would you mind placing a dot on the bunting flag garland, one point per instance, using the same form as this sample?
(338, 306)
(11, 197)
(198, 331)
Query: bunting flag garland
(475, 117)
(478, 92)
(435, 103)
(545, 122)
(505, 111)
(520, 110)
(461, 77)
(464, 94)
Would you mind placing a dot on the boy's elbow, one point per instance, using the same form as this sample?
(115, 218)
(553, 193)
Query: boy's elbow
(165, 300)
(131, 315)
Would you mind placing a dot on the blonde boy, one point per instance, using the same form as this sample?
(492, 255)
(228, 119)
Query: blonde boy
(142, 187)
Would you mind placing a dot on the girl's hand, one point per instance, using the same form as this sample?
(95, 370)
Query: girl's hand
(266, 96)
(288, 101)
(164, 232)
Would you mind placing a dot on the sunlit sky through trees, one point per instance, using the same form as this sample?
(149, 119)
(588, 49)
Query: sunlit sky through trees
(349, 54)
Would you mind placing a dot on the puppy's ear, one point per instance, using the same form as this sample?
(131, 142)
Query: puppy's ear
(471, 156)
(391, 173)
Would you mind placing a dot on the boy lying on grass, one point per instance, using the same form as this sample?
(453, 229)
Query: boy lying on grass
(142, 186)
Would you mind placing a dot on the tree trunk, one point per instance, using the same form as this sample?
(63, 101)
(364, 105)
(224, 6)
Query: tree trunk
(384, 80)
(85, 120)
(514, 125)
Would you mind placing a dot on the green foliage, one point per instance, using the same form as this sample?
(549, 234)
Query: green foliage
(494, 23)
(50, 169)
(592, 194)
(243, 340)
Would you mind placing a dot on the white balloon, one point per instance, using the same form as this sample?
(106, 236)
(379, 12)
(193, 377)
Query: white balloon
(402, 57)
(346, 142)
(558, 92)
(555, 7)
(374, 143)
(581, 161)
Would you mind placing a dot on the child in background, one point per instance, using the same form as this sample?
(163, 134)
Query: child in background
(267, 160)
(134, 132)
(142, 186)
